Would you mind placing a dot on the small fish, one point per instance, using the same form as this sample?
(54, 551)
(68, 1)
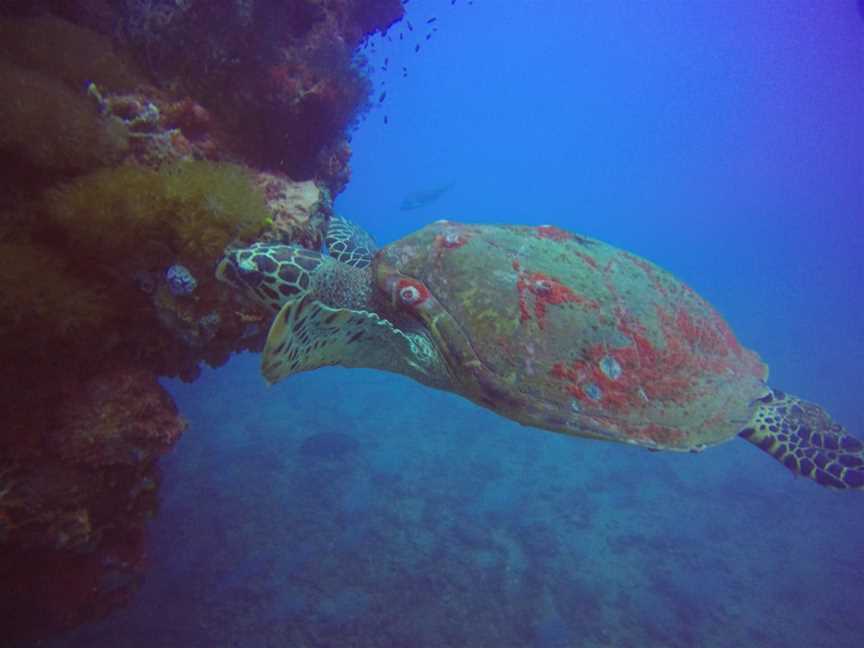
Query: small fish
(386, 61)
(401, 36)
(386, 121)
(431, 20)
(410, 26)
(424, 197)
(381, 98)
(417, 48)
(428, 36)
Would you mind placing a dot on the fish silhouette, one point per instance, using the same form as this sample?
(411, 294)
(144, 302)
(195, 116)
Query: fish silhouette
(423, 197)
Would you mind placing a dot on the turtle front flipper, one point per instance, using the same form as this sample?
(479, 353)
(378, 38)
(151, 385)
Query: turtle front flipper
(802, 437)
(349, 243)
(308, 334)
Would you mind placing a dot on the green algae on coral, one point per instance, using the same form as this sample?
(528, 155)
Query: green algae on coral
(218, 203)
(134, 219)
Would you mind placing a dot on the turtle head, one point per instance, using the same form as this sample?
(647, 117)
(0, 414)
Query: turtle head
(269, 273)
(330, 312)
(272, 274)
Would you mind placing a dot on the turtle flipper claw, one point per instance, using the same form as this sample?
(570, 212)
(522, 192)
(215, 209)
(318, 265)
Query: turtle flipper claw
(802, 437)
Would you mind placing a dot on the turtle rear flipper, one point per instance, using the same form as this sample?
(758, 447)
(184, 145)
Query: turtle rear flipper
(802, 437)
(308, 334)
(349, 243)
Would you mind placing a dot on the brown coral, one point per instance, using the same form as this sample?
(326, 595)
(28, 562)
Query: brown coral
(301, 211)
(42, 302)
(122, 416)
(67, 52)
(46, 125)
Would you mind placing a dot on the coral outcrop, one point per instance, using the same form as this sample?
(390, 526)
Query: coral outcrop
(138, 140)
(300, 210)
(297, 59)
(79, 511)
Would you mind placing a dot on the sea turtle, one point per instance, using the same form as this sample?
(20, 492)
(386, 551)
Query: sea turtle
(549, 328)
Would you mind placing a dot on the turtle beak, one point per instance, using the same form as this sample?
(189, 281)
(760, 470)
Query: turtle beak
(226, 271)
(236, 273)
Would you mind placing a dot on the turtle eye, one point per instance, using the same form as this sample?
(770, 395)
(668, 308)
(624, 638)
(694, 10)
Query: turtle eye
(411, 292)
(409, 295)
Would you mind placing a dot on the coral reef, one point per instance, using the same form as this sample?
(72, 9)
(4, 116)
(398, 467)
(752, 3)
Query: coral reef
(139, 140)
(79, 511)
(281, 75)
(121, 416)
(161, 129)
(300, 211)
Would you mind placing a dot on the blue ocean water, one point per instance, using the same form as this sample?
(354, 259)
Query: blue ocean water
(722, 141)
